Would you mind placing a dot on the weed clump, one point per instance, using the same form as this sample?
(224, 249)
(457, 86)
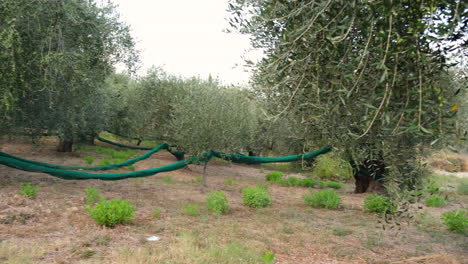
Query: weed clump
(89, 159)
(156, 213)
(217, 203)
(433, 188)
(256, 197)
(325, 199)
(274, 176)
(29, 190)
(290, 181)
(379, 204)
(435, 201)
(192, 209)
(92, 196)
(332, 184)
(113, 212)
(463, 188)
(307, 183)
(456, 221)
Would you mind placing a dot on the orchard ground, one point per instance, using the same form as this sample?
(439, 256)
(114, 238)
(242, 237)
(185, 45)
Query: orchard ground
(55, 227)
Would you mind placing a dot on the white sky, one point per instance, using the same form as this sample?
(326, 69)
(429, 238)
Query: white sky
(186, 38)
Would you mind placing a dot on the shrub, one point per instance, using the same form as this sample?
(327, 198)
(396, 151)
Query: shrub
(156, 213)
(192, 209)
(331, 166)
(113, 212)
(29, 190)
(456, 220)
(333, 184)
(325, 199)
(307, 183)
(256, 197)
(89, 159)
(379, 204)
(435, 201)
(217, 202)
(274, 176)
(92, 195)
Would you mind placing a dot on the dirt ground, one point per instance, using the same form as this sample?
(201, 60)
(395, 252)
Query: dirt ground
(56, 228)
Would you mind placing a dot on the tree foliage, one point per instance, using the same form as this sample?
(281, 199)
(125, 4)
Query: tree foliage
(57, 55)
(365, 76)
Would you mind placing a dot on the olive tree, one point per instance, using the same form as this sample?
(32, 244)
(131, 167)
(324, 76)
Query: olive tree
(57, 58)
(208, 116)
(361, 75)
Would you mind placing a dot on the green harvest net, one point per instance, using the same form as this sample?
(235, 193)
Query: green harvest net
(178, 155)
(69, 174)
(107, 167)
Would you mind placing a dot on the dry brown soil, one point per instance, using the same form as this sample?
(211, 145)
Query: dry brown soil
(56, 228)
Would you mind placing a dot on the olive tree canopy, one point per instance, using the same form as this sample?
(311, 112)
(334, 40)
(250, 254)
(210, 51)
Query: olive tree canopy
(365, 76)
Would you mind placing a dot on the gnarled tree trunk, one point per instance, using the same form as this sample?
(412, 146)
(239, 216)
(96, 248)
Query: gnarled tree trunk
(368, 176)
(65, 145)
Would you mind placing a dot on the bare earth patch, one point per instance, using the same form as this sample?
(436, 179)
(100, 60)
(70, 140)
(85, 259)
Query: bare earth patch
(55, 227)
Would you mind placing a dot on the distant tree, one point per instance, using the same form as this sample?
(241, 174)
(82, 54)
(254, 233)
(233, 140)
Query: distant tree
(364, 76)
(57, 55)
(209, 116)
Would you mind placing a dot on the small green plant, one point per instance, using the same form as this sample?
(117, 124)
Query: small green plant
(307, 183)
(113, 212)
(229, 182)
(87, 253)
(333, 184)
(131, 167)
(339, 231)
(92, 195)
(463, 188)
(192, 209)
(168, 180)
(456, 220)
(325, 199)
(290, 181)
(268, 257)
(435, 201)
(156, 213)
(379, 204)
(217, 203)
(29, 190)
(256, 197)
(89, 159)
(322, 184)
(197, 179)
(433, 188)
(274, 176)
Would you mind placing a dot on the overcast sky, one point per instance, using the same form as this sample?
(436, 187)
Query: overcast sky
(186, 37)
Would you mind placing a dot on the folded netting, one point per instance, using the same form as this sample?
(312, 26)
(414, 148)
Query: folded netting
(179, 155)
(239, 158)
(27, 165)
(107, 167)
(81, 175)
